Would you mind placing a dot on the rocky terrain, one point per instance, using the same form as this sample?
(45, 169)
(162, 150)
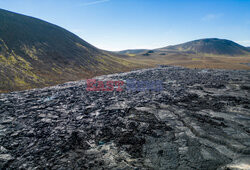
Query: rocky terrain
(200, 120)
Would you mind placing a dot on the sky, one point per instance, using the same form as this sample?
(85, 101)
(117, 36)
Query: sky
(138, 24)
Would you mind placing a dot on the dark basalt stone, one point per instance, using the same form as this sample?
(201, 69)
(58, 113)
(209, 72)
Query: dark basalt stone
(200, 120)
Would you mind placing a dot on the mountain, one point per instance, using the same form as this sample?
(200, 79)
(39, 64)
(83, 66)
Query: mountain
(132, 51)
(204, 53)
(35, 53)
(209, 46)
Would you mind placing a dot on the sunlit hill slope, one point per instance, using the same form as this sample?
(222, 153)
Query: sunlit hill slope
(35, 53)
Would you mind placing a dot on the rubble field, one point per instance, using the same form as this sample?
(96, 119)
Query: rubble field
(200, 120)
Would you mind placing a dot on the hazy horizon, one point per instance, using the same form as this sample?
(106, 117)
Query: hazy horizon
(119, 25)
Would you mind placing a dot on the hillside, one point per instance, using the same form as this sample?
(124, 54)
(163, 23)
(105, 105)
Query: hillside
(203, 53)
(213, 46)
(35, 53)
(132, 51)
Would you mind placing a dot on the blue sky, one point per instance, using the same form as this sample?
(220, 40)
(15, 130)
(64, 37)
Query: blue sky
(128, 24)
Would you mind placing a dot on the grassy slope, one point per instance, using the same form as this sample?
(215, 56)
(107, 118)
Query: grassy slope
(204, 53)
(196, 60)
(213, 46)
(34, 53)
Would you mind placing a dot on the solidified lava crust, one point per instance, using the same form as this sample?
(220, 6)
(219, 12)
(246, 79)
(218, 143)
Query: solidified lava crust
(200, 120)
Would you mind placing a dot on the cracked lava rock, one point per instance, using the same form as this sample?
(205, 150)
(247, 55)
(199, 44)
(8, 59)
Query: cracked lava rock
(200, 120)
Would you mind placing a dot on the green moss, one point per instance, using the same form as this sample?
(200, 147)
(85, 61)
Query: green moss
(10, 60)
(31, 52)
(81, 46)
(131, 55)
(57, 70)
(2, 58)
(19, 81)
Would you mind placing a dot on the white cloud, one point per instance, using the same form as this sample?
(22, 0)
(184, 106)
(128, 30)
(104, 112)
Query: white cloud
(210, 17)
(94, 2)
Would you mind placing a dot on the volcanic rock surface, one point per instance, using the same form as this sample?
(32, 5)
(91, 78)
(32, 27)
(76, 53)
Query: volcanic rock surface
(201, 120)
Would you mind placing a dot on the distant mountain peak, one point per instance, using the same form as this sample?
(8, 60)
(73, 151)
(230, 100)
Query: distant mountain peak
(210, 46)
